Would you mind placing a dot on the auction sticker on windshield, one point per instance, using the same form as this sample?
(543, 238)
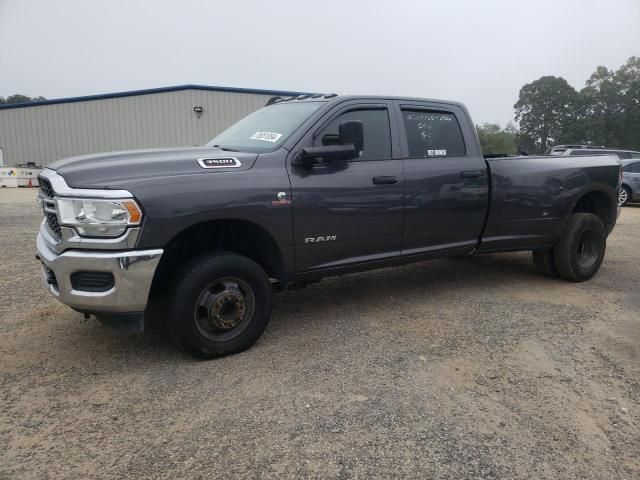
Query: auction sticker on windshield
(266, 136)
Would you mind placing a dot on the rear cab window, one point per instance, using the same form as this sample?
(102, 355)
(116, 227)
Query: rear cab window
(432, 133)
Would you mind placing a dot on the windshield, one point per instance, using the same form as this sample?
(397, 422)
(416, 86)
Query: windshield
(266, 129)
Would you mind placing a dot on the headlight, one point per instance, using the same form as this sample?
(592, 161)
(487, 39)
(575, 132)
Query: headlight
(98, 218)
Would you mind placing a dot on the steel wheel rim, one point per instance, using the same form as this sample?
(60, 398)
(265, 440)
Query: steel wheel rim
(224, 308)
(622, 196)
(587, 250)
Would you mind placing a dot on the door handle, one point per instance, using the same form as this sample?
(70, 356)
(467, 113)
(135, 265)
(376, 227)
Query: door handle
(471, 174)
(385, 180)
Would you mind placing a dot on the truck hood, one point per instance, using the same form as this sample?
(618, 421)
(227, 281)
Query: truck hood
(113, 169)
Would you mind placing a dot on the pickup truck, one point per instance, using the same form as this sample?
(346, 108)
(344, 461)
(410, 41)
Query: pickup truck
(302, 189)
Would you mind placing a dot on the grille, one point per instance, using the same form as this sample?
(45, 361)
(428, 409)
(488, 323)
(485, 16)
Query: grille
(46, 192)
(45, 187)
(52, 223)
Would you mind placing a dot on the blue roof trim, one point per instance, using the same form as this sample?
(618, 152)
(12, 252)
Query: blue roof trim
(134, 93)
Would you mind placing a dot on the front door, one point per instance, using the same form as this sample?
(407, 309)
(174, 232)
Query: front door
(446, 180)
(349, 211)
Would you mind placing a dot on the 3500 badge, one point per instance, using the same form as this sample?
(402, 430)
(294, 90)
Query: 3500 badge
(228, 162)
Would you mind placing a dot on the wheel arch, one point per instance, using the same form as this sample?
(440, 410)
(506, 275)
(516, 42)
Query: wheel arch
(239, 236)
(598, 202)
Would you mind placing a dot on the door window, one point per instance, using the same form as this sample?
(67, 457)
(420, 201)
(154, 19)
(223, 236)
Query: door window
(433, 134)
(377, 134)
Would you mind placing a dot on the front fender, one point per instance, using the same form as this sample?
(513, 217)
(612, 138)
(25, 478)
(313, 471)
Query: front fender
(172, 205)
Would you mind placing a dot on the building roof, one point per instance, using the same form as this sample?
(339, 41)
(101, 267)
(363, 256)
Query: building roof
(134, 93)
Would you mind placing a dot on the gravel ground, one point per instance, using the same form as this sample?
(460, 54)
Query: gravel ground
(461, 368)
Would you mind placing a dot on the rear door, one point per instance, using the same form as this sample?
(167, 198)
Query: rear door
(446, 179)
(349, 211)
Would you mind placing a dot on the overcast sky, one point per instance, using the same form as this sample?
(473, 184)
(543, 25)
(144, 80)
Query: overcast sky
(478, 52)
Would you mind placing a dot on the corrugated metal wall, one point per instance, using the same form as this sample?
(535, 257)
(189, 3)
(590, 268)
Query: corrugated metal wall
(43, 134)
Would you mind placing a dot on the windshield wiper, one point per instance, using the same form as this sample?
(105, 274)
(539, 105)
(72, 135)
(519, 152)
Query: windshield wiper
(226, 149)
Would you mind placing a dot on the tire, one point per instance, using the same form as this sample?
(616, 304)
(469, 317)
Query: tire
(544, 261)
(624, 195)
(580, 250)
(219, 305)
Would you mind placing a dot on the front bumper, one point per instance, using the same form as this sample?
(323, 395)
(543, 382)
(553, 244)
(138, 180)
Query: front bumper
(132, 270)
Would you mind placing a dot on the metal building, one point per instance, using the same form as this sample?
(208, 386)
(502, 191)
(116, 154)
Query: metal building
(42, 132)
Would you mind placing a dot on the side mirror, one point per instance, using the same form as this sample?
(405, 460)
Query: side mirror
(325, 154)
(352, 131)
(347, 145)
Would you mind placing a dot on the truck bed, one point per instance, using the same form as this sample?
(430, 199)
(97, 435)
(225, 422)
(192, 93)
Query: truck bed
(531, 197)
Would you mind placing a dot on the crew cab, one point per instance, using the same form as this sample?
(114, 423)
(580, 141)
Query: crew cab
(302, 189)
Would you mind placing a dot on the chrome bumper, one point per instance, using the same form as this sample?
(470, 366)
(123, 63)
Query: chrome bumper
(133, 272)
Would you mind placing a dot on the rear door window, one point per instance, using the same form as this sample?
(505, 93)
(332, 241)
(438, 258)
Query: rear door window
(432, 133)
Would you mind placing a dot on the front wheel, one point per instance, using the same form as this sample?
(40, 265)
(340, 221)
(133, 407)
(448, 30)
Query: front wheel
(220, 304)
(624, 195)
(580, 250)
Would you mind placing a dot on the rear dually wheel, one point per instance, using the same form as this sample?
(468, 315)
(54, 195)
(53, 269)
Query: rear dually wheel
(543, 260)
(580, 250)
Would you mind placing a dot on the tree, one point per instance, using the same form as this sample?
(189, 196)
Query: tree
(628, 79)
(612, 105)
(602, 107)
(546, 111)
(494, 139)
(17, 98)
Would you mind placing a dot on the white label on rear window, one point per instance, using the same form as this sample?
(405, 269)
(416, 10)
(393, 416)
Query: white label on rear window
(266, 136)
(436, 153)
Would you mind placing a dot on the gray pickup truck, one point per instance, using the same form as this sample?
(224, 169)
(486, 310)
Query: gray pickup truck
(302, 189)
